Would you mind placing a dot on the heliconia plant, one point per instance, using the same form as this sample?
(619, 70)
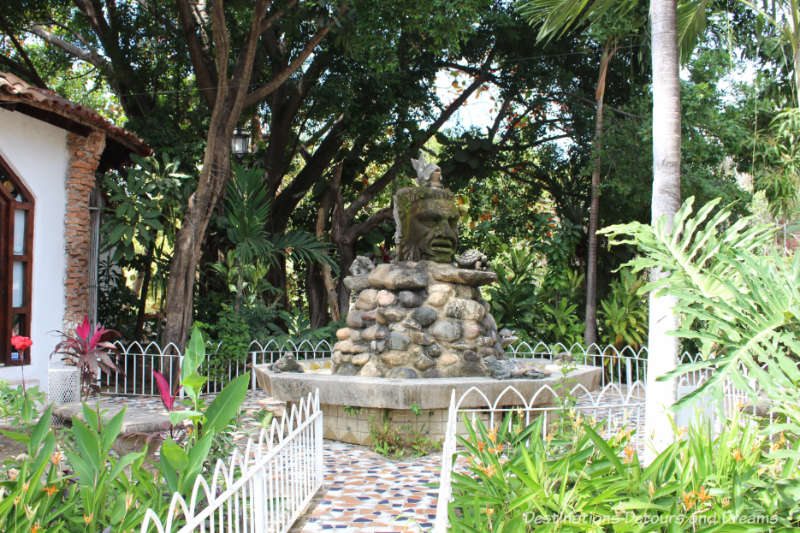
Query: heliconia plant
(90, 349)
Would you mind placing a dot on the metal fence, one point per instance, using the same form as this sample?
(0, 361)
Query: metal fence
(137, 362)
(264, 489)
(620, 409)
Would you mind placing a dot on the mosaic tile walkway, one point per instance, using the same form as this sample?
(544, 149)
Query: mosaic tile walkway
(365, 492)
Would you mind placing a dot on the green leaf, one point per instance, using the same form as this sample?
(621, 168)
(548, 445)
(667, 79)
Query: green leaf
(176, 417)
(111, 431)
(194, 381)
(40, 429)
(174, 455)
(225, 406)
(194, 354)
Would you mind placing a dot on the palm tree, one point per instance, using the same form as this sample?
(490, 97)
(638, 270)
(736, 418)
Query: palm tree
(556, 17)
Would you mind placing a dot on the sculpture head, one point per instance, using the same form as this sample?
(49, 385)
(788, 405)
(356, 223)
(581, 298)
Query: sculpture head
(427, 224)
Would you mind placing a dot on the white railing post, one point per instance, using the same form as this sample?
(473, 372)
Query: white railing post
(628, 381)
(253, 385)
(180, 367)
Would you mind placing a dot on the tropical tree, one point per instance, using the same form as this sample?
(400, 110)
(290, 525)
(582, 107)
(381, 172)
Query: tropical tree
(663, 353)
(609, 29)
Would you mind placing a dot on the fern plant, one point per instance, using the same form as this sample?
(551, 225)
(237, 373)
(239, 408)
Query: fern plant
(737, 297)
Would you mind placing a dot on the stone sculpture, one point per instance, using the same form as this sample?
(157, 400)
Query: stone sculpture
(422, 316)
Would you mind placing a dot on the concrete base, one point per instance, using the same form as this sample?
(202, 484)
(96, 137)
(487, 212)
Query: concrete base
(351, 404)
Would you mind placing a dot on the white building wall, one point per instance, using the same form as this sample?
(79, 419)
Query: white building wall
(37, 152)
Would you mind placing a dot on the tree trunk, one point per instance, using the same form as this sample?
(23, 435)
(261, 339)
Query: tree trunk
(317, 297)
(590, 330)
(188, 241)
(663, 348)
(148, 274)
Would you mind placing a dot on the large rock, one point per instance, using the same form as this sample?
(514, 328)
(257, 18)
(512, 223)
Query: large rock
(418, 318)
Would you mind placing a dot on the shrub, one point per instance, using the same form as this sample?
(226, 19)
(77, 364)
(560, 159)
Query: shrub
(579, 481)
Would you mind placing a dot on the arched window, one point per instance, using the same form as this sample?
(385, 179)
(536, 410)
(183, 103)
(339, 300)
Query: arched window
(16, 261)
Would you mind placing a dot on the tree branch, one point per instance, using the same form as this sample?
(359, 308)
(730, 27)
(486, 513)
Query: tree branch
(84, 55)
(267, 22)
(204, 69)
(375, 220)
(369, 193)
(31, 69)
(265, 90)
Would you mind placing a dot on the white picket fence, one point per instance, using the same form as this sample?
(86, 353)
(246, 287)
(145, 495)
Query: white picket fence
(621, 408)
(263, 490)
(137, 362)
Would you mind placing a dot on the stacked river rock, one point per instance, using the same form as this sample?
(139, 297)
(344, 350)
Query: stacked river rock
(418, 319)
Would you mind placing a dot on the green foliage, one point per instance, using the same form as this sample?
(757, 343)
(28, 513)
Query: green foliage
(398, 440)
(737, 297)
(20, 405)
(231, 334)
(778, 172)
(536, 300)
(579, 481)
(142, 205)
(181, 464)
(105, 493)
(623, 313)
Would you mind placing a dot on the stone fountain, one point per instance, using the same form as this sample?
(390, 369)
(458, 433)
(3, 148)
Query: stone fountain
(417, 329)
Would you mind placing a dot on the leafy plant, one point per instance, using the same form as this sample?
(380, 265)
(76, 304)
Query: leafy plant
(180, 465)
(89, 349)
(394, 440)
(20, 405)
(32, 493)
(100, 476)
(738, 298)
(579, 481)
(232, 335)
(623, 313)
(513, 298)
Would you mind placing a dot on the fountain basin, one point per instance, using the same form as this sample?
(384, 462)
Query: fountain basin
(350, 404)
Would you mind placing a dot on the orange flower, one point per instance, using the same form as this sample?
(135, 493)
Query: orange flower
(493, 435)
(481, 445)
(35, 528)
(88, 519)
(737, 455)
(688, 500)
(628, 453)
(57, 458)
(489, 511)
(702, 495)
(50, 490)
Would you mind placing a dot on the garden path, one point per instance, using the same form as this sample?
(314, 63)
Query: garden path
(362, 492)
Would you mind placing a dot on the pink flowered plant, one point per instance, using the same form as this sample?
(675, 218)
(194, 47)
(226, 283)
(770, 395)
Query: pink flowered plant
(90, 350)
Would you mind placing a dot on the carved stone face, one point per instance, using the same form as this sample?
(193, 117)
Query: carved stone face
(430, 231)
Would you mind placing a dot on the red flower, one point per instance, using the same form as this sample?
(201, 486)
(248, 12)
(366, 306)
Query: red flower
(21, 343)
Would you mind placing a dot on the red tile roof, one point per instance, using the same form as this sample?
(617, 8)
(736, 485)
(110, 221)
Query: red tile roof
(50, 107)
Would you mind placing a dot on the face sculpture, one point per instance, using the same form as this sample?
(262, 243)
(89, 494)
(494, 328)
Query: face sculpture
(429, 228)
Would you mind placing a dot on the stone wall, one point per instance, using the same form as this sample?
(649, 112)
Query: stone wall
(418, 319)
(84, 153)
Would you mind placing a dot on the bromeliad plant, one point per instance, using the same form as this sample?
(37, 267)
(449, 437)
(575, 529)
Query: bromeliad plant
(91, 351)
(182, 462)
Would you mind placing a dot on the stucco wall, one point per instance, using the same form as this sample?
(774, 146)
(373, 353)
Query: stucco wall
(37, 152)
